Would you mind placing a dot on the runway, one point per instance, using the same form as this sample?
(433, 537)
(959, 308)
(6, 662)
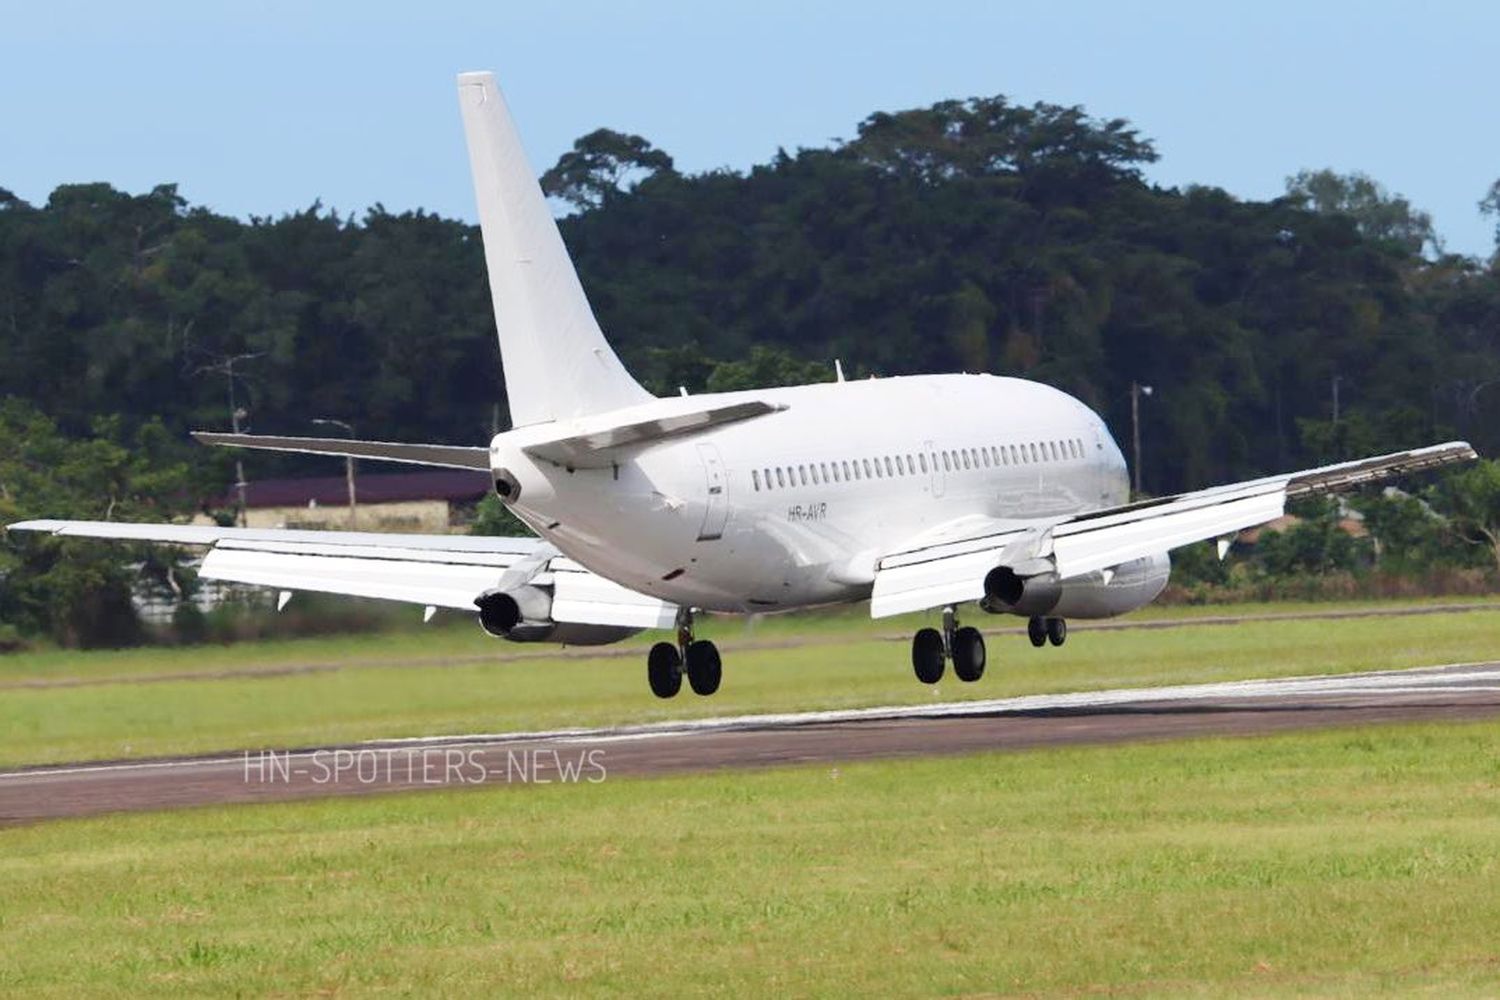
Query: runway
(586, 756)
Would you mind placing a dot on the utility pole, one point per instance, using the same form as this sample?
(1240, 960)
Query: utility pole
(348, 429)
(225, 366)
(1136, 392)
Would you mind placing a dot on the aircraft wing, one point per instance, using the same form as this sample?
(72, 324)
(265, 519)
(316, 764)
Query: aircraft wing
(441, 571)
(933, 572)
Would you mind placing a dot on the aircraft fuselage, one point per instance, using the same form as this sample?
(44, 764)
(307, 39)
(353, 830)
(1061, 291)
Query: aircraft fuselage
(793, 509)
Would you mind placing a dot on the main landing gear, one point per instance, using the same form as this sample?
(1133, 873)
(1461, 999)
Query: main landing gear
(1044, 630)
(931, 649)
(698, 658)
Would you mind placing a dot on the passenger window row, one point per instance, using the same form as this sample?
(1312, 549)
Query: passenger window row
(921, 463)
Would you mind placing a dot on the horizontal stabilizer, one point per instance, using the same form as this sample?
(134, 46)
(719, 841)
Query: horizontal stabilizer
(592, 446)
(445, 455)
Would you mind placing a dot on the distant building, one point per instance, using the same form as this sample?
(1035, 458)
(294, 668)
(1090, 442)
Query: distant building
(432, 502)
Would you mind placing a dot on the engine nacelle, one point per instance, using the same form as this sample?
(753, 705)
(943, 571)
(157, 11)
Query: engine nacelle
(1006, 591)
(1097, 595)
(524, 614)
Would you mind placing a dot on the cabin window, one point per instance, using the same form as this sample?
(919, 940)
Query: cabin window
(835, 470)
(1056, 451)
(922, 460)
(814, 474)
(824, 467)
(1034, 456)
(846, 471)
(802, 474)
(890, 470)
(868, 473)
(780, 480)
(900, 466)
(965, 456)
(984, 453)
(946, 466)
(755, 478)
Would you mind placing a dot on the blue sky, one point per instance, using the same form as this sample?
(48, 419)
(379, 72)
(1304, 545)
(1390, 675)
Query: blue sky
(262, 107)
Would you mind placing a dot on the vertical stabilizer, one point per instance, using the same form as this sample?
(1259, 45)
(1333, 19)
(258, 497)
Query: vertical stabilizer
(557, 362)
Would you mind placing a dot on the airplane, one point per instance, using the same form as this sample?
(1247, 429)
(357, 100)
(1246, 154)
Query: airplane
(916, 493)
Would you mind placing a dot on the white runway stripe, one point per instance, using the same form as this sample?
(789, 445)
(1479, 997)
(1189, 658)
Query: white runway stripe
(1433, 680)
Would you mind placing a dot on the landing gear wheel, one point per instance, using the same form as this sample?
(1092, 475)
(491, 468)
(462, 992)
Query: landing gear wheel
(968, 654)
(927, 655)
(704, 668)
(1036, 631)
(1057, 631)
(664, 670)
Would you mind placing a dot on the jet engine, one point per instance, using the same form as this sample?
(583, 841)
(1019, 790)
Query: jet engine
(1095, 595)
(524, 614)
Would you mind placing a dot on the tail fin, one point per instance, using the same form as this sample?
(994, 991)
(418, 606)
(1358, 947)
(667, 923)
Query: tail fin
(557, 362)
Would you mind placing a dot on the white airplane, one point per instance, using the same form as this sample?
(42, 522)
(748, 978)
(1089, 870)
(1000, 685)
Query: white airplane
(919, 492)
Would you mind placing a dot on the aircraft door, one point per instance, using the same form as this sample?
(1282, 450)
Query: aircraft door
(716, 510)
(936, 477)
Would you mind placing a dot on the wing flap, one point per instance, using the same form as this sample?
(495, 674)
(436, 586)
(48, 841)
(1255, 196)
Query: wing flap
(584, 597)
(414, 581)
(950, 579)
(1084, 551)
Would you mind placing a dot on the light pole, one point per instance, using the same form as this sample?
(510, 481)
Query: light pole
(1136, 392)
(348, 429)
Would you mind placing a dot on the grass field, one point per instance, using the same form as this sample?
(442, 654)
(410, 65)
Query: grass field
(72, 706)
(1343, 863)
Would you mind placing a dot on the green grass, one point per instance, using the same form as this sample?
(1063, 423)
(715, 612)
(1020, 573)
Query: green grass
(1340, 863)
(453, 681)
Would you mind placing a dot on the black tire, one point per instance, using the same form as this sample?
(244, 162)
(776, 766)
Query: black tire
(704, 668)
(1057, 631)
(927, 657)
(664, 670)
(968, 654)
(1036, 631)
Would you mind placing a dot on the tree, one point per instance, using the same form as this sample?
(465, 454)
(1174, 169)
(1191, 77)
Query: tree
(1472, 498)
(766, 368)
(1489, 206)
(492, 517)
(1378, 214)
(78, 591)
(599, 166)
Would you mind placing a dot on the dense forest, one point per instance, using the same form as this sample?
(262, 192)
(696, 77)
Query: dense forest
(975, 235)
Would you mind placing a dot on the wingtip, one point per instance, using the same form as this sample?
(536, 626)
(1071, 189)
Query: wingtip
(35, 525)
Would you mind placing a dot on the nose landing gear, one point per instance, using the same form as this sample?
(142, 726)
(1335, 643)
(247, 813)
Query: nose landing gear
(698, 658)
(931, 649)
